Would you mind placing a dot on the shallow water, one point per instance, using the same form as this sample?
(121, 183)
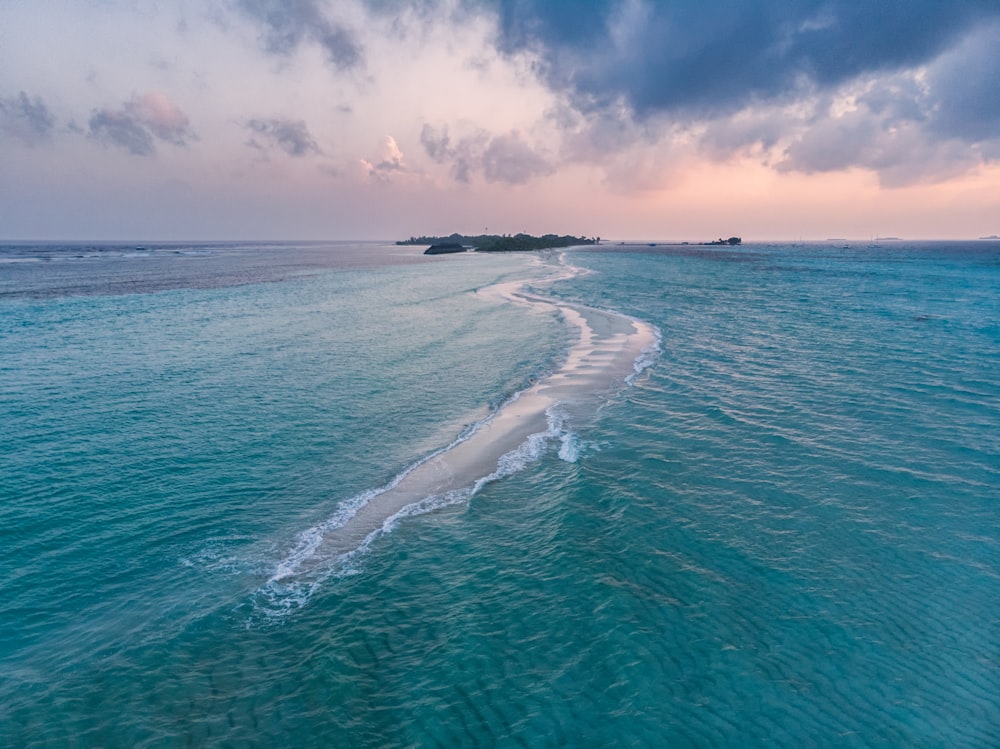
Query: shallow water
(786, 532)
(606, 351)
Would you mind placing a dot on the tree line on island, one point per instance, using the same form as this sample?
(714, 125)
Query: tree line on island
(496, 242)
(514, 242)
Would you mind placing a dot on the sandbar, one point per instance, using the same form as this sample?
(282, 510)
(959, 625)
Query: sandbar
(602, 358)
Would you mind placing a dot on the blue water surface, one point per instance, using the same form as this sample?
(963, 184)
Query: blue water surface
(786, 533)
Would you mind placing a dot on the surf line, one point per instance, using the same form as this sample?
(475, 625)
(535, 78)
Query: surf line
(608, 351)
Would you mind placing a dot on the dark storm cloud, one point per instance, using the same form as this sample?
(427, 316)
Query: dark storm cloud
(928, 124)
(965, 84)
(287, 24)
(26, 119)
(757, 76)
(769, 77)
(766, 76)
(699, 59)
(291, 136)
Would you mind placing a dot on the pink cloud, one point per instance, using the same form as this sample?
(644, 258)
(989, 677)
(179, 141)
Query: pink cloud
(162, 117)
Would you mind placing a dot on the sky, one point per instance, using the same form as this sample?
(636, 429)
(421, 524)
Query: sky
(381, 119)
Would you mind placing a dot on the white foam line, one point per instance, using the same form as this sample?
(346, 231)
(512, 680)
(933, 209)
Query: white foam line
(649, 355)
(499, 445)
(309, 540)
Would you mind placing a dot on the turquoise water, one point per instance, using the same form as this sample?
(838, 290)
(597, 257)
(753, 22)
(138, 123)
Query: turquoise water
(786, 532)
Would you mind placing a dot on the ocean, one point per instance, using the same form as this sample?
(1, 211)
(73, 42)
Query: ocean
(345, 495)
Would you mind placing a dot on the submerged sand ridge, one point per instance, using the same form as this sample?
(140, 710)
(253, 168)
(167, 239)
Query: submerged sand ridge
(608, 350)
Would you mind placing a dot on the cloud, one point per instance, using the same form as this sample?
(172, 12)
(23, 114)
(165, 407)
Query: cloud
(139, 123)
(900, 152)
(750, 130)
(508, 158)
(926, 124)
(770, 78)
(162, 117)
(291, 136)
(900, 156)
(388, 161)
(437, 143)
(965, 86)
(499, 158)
(464, 156)
(26, 119)
(726, 79)
(698, 60)
(122, 130)
(288, 24)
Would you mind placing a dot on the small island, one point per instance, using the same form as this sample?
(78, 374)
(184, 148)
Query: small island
(496, 242)
(733, 241)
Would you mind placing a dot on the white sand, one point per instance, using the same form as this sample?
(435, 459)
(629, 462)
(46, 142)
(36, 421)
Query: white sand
(600, 361)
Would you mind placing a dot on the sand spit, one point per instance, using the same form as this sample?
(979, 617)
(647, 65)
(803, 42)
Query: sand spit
(602, 359)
